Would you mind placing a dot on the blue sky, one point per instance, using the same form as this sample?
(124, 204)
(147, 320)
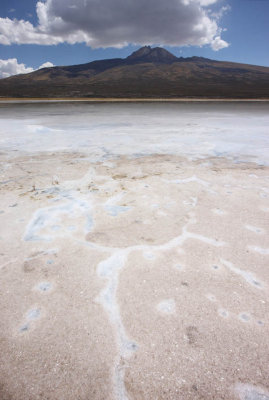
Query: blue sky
(234, 30)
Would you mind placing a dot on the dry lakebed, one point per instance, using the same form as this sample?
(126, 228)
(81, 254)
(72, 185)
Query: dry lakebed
(134, 251)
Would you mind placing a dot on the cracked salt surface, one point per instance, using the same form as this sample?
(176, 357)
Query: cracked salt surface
(49, 223)
(33, 314)
(74, 206)
(259, 250)
(42, 253)
(249, 277)
(113, 209)
(255, 229)
(110, 269)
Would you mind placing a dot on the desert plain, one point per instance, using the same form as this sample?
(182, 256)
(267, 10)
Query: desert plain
(134, 251)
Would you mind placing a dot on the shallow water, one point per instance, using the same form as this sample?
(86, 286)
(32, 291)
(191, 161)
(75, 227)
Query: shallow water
(234, 130)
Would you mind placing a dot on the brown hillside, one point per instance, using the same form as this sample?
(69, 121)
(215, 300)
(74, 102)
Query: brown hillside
(148, 72)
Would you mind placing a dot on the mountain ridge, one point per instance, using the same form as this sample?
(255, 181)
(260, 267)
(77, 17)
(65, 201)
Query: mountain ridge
(147, 72)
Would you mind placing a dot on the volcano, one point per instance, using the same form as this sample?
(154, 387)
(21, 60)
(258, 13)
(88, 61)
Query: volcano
(146, 73)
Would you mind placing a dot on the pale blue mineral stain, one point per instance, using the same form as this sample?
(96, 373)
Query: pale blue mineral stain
(24, 328)
(71, 228)
(55, 228)
(245, 317)
(33, 314)
(44, 286)
(114, 211)
(223, 313)
(260, 323)
(89, 224)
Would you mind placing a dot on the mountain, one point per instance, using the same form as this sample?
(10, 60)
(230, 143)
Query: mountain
(147, 54)
(147, 73)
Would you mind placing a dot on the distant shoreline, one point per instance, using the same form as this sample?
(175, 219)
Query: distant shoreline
(124, 100)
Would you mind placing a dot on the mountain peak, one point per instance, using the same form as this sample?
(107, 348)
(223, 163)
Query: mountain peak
(142, 52)
(148, 54)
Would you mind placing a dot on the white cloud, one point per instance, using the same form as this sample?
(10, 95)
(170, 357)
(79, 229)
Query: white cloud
(47, 64)
(218, 44)
(23, 32)
(219, 13)
(207, 2)
(115, 23)
(12, 67)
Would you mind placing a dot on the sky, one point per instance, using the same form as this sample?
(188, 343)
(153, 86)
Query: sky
(36, 34)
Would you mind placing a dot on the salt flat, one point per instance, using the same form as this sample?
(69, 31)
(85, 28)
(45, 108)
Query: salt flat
(134, 251)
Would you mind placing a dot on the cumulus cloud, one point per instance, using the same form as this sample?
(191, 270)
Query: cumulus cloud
(47, 64)
(23, 32)
(218, 44)
(116, 23)
(12, 67)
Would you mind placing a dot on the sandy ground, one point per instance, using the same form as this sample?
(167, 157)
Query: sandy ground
(142, 278)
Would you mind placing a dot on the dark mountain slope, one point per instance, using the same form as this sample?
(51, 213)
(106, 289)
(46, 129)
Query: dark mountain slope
(148, 72)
